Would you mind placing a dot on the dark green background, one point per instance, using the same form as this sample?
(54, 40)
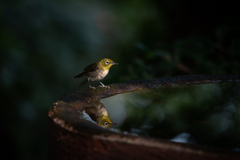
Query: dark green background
(45, 43)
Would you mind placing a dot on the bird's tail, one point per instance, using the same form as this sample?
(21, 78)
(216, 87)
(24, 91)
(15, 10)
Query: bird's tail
(80, 75)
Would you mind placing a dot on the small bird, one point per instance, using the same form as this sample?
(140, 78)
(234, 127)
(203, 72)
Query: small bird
(98, 113)
(105, 122)
(97, 71)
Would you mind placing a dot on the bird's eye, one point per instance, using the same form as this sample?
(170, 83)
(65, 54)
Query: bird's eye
(105, 123)
(107, 62)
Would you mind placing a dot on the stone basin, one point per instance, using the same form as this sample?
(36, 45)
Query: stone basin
(186, 117)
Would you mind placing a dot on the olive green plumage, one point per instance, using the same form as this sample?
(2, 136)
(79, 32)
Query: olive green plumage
(97, 71)
(99, 114)
(89, 68)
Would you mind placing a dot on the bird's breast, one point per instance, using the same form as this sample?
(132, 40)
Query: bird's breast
(97, 75)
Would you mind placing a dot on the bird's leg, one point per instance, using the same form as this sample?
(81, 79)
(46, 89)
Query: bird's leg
(102, 85)
(90, 84)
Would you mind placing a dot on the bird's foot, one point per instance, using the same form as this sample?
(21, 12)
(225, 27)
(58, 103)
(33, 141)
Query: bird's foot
(103, 86)
(92, 87)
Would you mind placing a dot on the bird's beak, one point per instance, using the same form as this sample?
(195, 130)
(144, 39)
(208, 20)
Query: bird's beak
(112, 123)
(113, 63)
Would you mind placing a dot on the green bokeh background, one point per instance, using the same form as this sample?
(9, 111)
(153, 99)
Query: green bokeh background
(44, 44)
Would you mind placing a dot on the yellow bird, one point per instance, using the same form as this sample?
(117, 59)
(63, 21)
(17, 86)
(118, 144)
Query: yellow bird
(97, 71)
(98, 113)
(105, 121)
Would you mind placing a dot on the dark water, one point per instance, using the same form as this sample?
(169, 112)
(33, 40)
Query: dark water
(207, 114)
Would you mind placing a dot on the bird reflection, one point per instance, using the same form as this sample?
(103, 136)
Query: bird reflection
(98, 113)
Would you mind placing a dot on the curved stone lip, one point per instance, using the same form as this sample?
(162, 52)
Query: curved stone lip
(71, 102)
(118, 88)
(80, 98)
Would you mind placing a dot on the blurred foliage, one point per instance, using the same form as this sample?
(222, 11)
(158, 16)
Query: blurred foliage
(43, 44)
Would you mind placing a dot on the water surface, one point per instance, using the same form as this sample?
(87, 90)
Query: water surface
(207, 114)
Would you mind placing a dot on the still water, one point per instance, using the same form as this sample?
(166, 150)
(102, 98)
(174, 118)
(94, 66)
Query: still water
(206, 114)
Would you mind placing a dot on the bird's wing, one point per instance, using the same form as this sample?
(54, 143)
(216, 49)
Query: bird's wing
(89, 68)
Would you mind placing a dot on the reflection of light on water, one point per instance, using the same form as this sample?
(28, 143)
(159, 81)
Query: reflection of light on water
(84, 115)
(137, 99)
(216, 81)
(114, 130)
(135, 131)
(116, 105)
(181, 138)
(123, 132)
(115, 108)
